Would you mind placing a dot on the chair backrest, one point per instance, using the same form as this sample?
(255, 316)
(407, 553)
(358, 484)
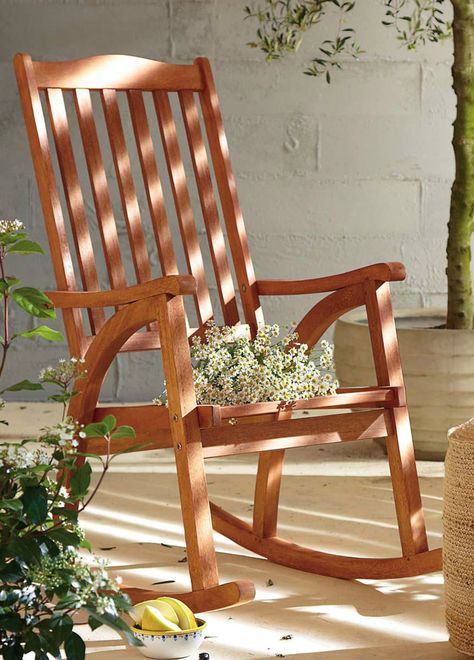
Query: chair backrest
(112, 85)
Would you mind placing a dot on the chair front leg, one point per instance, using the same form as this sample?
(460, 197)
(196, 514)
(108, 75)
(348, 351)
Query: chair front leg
(187, 444)
(401, 455)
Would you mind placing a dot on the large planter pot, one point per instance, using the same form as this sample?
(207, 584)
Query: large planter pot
(438, 365)
(458, 537)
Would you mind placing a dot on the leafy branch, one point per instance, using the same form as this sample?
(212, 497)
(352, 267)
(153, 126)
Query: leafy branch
(282, 25)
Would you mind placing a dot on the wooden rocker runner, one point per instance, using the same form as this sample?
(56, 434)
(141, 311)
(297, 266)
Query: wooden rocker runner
(150, 314)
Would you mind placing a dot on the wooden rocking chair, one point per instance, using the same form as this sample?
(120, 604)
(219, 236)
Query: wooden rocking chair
(150, 314)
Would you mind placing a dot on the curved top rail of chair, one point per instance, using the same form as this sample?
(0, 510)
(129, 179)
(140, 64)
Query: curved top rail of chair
(173, 285)
(383, 272)
(114, 72)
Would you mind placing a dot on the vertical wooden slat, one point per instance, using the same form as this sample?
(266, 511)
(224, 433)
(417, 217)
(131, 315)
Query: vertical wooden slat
(50, 202)
(152, 183)
(182, 202)
(74, 200)
(126, 185)
(210, 213)
(100, 192)
(229, 200)
(401, 455)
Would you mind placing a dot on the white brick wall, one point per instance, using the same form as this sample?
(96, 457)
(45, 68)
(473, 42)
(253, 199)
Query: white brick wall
(330, 177)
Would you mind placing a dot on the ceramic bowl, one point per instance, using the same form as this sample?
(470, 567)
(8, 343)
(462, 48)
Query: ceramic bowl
(170, 645)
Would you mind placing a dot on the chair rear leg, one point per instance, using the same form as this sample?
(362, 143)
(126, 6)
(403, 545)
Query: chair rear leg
(406, 489)
(267, 489)
(401, 455)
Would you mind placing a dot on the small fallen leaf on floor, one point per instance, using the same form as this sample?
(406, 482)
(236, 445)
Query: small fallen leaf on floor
(112, 547)
(163, 582)
(287, 637)
(166, 545)
(22, 407)
(270, 582)
(183, 560)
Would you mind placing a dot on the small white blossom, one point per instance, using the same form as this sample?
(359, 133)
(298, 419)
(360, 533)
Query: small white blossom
(231, 369)
(10, 226)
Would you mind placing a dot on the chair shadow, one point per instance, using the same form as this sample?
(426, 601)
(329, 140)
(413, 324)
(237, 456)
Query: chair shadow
(141, 534)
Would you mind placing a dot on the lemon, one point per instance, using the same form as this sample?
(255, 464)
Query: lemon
(165, 608)
(153, 619)
(186, 618)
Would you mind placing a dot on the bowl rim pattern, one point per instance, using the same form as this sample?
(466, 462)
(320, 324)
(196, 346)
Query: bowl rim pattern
(191, 632)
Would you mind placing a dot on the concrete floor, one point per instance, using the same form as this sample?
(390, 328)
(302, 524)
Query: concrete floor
(334, 498)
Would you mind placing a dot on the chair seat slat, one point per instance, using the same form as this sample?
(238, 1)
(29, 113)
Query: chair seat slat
(151, 180)
(74, 199)
(100, 192)
(210, 213)
(182, 201)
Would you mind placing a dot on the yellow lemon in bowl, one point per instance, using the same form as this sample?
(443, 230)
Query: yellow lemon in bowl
(165, 609)
(154, 620)
(186, 618)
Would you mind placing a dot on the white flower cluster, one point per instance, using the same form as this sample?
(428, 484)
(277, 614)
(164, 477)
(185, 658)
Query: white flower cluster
(10, 226)
(90, 580)
(18, 457)
(230, 369)
(64, 373)
(63, 433)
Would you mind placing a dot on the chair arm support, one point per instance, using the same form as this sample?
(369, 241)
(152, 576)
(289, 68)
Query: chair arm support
(383, 272)
(172, 285)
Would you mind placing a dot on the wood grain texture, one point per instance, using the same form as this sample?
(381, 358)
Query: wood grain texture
(219, 597)
(401, 454)
(305, 559)
(100, 189)
(383, 272)
(225, 285)
(152, 183)
(183, 205)
(117, 72)
(74, 199)
(48, 192)
(229, 200)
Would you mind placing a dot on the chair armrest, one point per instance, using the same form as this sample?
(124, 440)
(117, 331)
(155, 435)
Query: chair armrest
(384, 272)
(172, 285)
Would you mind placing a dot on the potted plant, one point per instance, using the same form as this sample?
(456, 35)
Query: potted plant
(44, 580)
(437, 345)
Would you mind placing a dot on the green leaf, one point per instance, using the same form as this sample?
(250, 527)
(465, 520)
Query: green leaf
(96, 430)
(34, 302)
(115, 622)
(13, 652)
(61, 626)
(80, 480)
(75, 647)
(65, 537)
(11, 622)
(124, 432)
(94, 623)
(110, 422)
(22, 385)
(35, 503)
(7, 282)
(12, 505)
(26, 246)
(42, 331)
(70, 600)
(86, 545)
